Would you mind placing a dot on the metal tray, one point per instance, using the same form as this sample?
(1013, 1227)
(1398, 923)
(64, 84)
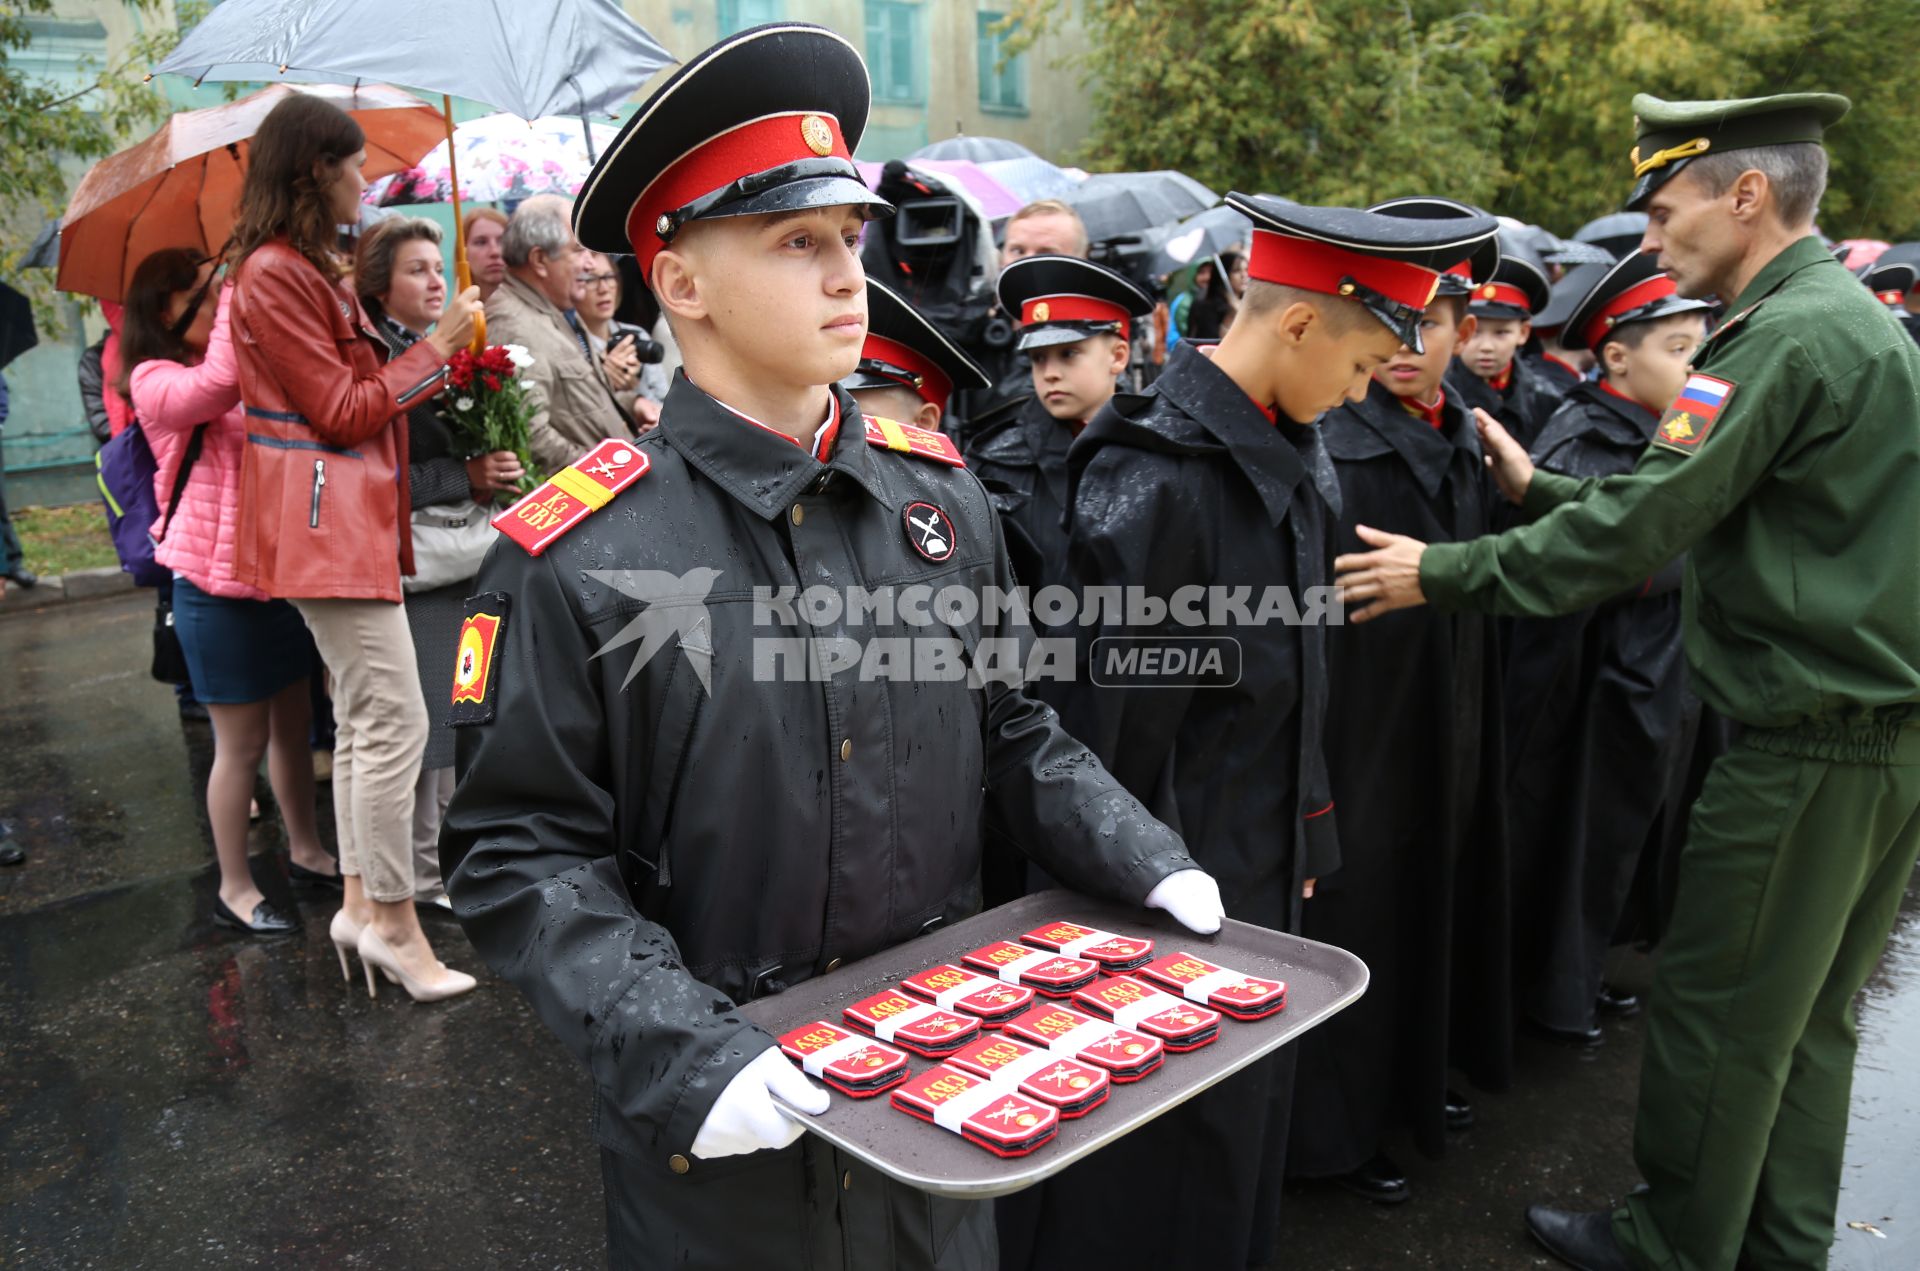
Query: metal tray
(1320, 981)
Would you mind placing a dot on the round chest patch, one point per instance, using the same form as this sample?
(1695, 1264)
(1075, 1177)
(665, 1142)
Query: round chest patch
(929, 530)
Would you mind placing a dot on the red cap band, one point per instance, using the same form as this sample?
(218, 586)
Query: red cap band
(720, 161)
(1645, 292)
(1502, 293)
(1070, 308)
(1893, 297)
(1464, 269)
(1322, 267)
(934, 386)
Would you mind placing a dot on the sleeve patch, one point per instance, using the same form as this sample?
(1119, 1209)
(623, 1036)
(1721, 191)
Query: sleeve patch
(1693, 414)
(476, 676)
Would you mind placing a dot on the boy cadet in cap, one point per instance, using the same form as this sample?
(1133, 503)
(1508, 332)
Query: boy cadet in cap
(652, 824)
(1075, 322)
(1214, 479)
(1892, 283)
(1788, 468)
(908, 371)
(1499, 369)
(1420, 894)
(1596, 698)
(1560, 346)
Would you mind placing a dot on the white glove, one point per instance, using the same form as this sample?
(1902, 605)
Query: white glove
(743, 1119)
(1192, 897)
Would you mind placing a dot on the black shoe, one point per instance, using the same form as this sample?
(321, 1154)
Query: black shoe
(1615, 1001)
(300, 876)
(11, 853)
(1459, 1111)
(21, 576)
(192, 708)
(267, 920)
(1583, 1241)
(1581, 1039)
(1379, 1180)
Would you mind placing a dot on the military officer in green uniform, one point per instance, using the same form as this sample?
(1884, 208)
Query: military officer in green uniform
(1788, 469)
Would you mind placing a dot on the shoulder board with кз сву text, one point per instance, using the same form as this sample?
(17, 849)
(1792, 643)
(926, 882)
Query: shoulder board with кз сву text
(572, 494)
(907, 439)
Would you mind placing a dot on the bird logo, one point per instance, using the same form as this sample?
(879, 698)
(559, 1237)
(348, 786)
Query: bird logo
(676, 611)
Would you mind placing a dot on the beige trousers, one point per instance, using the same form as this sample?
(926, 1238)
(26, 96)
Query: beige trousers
(430, 799)
(380, 732)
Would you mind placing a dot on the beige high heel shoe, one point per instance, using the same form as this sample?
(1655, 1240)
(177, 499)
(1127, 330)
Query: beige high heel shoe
(345, 933)
(374, 952)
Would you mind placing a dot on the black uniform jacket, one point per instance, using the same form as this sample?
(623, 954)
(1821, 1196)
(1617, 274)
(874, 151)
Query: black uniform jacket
(1523, 409)
(1020, 455)
(638, 852)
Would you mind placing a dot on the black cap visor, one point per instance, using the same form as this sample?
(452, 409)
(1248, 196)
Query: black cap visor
(1046, 335)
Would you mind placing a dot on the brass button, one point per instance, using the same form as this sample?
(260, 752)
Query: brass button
(846, 750)
(832, 966)
(799, 514)
(846, 1181)
(679, 1164)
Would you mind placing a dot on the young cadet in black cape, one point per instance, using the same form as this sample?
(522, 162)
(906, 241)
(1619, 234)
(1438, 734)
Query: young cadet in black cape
(651, 825)
(1595, 698)
(908, 371)
(1413, 748)
(1499, 371)
(1892, 283)
(1214, 479)
(1075, 318)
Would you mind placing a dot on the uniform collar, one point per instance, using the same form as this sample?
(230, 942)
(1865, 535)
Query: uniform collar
(1276, 456)
(1427, 451)
(759, 466)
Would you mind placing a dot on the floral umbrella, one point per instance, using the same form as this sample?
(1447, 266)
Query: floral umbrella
(501, 159)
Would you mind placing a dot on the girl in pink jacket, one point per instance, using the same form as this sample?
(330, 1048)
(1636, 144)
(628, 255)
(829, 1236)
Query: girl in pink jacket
(250, 656)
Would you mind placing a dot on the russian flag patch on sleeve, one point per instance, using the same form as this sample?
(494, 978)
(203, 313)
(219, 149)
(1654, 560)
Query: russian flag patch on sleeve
(1692, 416)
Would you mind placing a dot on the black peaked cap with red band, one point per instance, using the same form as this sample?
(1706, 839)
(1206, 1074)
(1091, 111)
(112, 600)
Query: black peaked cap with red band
(1060, 299)
(1520, 286)
(1458, 278)
(1568, 291)
(764, 121)
(1890, 281)
(904, 350)
(1634, 290)
(1389, 265)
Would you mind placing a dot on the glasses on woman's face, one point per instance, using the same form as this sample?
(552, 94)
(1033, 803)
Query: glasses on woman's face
(598, 280)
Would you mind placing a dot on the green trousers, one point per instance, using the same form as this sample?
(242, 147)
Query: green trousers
(1790, 881)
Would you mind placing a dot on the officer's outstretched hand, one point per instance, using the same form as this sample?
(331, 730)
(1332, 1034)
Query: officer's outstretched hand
(743, 1119)
(1192, 897)
(1506, 458)
(1387, 578)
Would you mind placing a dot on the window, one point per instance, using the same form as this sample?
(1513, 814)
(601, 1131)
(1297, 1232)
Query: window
(64, 56)
(895, 52)
(1003, 80)
(738, 15)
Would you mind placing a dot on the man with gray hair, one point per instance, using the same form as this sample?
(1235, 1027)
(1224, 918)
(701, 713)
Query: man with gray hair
(572, 402)
(1788, 470)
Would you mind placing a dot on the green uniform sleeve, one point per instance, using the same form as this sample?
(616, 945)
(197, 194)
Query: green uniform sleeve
(1597, 538)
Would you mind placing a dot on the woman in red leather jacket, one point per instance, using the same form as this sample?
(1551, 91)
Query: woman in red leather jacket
(324, 504)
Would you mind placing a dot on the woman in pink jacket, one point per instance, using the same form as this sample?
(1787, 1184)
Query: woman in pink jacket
(250, 656)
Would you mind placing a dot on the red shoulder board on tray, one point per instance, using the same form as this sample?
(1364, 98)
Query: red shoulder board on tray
(1038, 969)
(572, 494)
(921, 1027)
(957, 989)
(1003, 1121)
(1131, 1004)
(1067, 1084)
(1231, 992)
(1126, 1055)
(858, 1067)
(909, 440)
(1111, 951)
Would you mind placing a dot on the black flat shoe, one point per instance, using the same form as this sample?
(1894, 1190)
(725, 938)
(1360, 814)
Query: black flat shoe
(11, 853)
(1583, 1241)
(23, 577)
(1615, 1001)
(1380, 1180)
(267, 920)
(1459, 1111)
(301, 876)
(1584, 1039)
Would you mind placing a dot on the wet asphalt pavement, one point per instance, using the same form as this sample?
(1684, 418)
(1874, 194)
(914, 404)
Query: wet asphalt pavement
(173, 1095)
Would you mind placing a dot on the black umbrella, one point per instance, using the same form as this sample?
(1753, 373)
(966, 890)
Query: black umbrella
(16, 324)
(1116, 203)
(1900, 253)
(1618, 232)
(974, 149)
(1197, 238)
(45, 251)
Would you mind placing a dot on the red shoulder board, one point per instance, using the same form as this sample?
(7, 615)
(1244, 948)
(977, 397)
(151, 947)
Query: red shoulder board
(914, 441)
(572, 494)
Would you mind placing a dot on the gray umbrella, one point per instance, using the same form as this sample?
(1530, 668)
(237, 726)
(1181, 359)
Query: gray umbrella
(974, 149)
(1030, 179)
(1115, 204)
(531, 57)
(1199, 237)
(45, 251)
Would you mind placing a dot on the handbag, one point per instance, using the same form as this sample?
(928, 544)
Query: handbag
(449, 542)
(169, 660)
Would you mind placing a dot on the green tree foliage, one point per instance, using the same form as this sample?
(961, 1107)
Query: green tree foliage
(1523, 106)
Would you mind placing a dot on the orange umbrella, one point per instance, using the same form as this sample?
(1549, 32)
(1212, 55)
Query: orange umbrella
(181, 186)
